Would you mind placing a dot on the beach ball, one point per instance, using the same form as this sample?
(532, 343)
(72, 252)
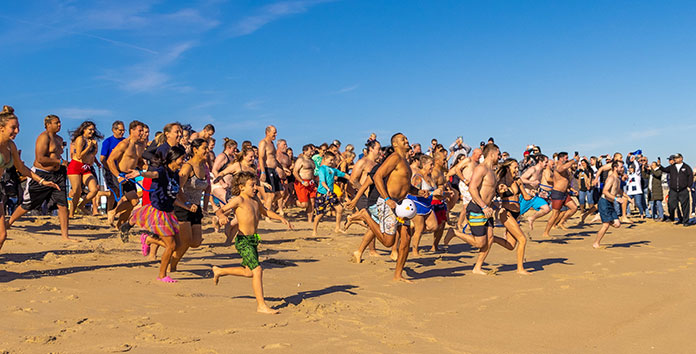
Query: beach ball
(406, 209)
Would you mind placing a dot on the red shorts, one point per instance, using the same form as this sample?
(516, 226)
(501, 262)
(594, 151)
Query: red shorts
(305, 193)
(78, 168)
(440, 210)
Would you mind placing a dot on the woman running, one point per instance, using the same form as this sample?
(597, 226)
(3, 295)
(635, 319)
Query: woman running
(83, 151)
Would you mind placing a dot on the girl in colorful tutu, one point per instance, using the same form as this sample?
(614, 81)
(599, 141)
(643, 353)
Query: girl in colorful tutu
(158, 216)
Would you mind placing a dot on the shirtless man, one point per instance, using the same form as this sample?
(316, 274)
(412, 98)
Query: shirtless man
(531, 179)
(305, 188)
(362, 168)
(127, 156)
(610, 193)
(602, 172)
(479, 212)
(50, 167)
(464, 169)
(445, 199)
(268, 165)
(393, 182)
(559, 194)
(284, 172)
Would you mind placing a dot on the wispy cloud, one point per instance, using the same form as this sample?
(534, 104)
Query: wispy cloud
(253, 105)
(270, 13)
(150, 75)
(81, 113)
(347, 89)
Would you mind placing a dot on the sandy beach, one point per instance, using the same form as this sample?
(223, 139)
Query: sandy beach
(101, 296)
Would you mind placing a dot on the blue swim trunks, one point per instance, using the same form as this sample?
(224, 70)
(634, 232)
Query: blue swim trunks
(535, 203)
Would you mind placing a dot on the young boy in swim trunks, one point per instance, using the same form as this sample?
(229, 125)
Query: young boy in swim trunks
(326, 198)
(248, 210)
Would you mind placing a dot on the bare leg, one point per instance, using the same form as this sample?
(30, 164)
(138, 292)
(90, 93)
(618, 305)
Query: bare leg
(339, 214)
(63, 219)
(75, 193)
(3, 227)
(624, 205)
(515, 236)
(551, 222)
(403, 253)
(91, 183)
(394, 255)
(541, 212)
(18, 213)
(483, 252)
(367, 239)
(316, 224)
(170, 245)
(418, 227)
(602, 231)
(386, 240)
(572, 208)
(183, 240)
(257, 285)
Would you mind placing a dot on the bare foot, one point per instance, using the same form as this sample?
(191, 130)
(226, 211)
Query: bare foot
(530, 222)
(434, 249)
(598, 246)
(394, 256)
(337, 230)
(546, 235)
(523, 272)
(626, 221)
(66, 239)
(216, 274)
(373, 253)
(408, 281)
(562, 226)
(478, 272)
(110, 216)
(267, 310)
(357, 257)
(415, 253)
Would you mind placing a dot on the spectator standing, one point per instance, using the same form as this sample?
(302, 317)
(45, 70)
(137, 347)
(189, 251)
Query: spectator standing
(681, 177)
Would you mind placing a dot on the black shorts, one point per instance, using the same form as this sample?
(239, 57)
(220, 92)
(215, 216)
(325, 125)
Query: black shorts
(362, 203)
(477, 220)
(111, 182)
(273, 179)
(184, 215)
(35, 194)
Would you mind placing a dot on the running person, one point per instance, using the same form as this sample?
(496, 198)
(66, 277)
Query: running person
(559, 194)
(118, 129)
(194, 181)
(268, 165)
(532, 181)
(127, 156)
(249, 210)
(158, 216)
(611, 193)
(80, 171)
(305, 188)
(49, 166)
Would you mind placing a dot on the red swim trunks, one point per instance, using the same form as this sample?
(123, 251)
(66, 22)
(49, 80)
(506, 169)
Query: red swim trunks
(78, 168)
(305, 193)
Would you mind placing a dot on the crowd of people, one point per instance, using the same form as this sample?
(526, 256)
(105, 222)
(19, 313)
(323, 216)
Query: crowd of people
(167, 186)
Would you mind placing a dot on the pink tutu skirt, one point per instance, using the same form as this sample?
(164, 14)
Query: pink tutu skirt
(157, 221)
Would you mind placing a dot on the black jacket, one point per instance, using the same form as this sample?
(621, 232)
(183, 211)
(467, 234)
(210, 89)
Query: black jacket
(679, 180)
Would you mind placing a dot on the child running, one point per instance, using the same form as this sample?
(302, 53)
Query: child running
(326, 198)
(158, 216)
(248, 210)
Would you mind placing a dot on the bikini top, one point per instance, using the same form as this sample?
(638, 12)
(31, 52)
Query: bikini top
(424, 185)
(6, 164)
(194, 188)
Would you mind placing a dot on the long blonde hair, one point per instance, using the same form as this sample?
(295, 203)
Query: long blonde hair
(6, 114)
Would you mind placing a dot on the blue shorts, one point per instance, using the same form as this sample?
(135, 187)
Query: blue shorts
(423, 205)
(535, 203)
(607, 211)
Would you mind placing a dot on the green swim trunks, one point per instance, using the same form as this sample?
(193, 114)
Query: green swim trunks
(246, 246)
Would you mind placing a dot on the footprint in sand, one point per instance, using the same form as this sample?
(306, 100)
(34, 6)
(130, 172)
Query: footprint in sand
(120, 348)
(275, 346)
(41, 339)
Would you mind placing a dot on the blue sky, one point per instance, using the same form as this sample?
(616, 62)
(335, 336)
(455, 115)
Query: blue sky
(593, 76)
